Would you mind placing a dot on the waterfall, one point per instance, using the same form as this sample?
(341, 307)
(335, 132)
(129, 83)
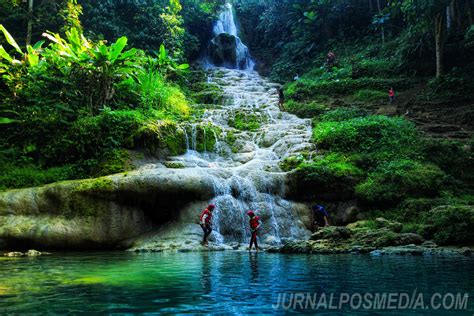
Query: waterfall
(226, 48)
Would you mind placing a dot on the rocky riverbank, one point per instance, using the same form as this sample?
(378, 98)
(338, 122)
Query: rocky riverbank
(379, 237)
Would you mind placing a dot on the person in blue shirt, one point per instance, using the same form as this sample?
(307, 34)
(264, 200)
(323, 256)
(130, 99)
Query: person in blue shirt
(320, 217)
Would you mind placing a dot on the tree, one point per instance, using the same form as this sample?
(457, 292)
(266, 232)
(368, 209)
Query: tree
(431, 15)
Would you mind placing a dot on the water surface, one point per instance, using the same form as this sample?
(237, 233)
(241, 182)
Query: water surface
(219, 282)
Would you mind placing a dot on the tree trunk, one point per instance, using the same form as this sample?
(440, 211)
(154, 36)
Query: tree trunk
(383, 28)
(469, 12)
(29, 29)
(439, 36)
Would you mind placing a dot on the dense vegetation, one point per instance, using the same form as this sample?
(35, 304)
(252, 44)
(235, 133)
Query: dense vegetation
(86, 87)
(79, 101)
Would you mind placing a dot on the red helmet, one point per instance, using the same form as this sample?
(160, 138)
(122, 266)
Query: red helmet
(251, 213)
(211, 207)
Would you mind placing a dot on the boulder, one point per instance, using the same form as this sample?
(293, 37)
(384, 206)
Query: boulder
(333, 233)
(14, 254)
(223, 50)
(97, 213)
(392, 225)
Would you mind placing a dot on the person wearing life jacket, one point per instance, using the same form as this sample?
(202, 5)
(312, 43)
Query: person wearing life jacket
(255, 224)
(206, 222)
(391, 95)
(320, 217)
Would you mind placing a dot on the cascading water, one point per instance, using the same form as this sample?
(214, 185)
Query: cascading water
(226, 48)
(243, 170)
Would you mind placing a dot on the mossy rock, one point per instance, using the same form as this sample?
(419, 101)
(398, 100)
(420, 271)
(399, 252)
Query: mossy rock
(174, 164)
(247, 120)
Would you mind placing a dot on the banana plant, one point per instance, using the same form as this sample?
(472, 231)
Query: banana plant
(31, 57)
(10, 64)
(166, 64)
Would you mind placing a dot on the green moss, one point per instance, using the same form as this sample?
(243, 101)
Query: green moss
(247, 120)
(115, 161)
(162, 136)
(174, 164)
(291, 163)
(95, 185)
(206, 136)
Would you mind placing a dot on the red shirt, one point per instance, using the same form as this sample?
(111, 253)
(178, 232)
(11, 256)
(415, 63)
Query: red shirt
(391, 93)
(206, 216)
(254, 222)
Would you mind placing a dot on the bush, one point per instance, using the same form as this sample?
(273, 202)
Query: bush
(367, 95)
(342, 114)
(450, 225)
(304, 89)
(375, 68)
(377, 138)
(333, 174)
(30, 176)
(305, 109)
(395, 181)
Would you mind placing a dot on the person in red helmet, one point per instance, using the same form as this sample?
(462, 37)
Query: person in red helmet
(255, 224)
(206, 222)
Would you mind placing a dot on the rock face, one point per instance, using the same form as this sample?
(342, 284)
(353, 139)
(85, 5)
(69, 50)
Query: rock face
(223, 50)
(98, 213)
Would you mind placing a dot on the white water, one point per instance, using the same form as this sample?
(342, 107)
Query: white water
(245, 175)
(248, 178)
(227, 24)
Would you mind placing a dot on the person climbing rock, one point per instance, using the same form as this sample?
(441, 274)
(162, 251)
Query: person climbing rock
(206, 223)
(281, 99)
(255, 224)
(330, 60)
(391, 95)
(320, 217)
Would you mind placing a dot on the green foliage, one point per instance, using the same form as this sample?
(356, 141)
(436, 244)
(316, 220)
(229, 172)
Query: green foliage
(115, 161)
(368, 95)
(450, 225)
(30, 176)
(396, 180)
(157, 94)
(246, 121)
(291, 163)
(304, 89)
(342, 114)
(333, 172)
(305, 109)
(376, 139)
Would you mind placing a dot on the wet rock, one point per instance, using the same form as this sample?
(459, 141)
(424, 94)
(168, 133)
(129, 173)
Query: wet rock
(429, 244)
(296, 247)
(384, 223)
(466, 251)
(14, 254)
(36, 253)
(408, 239)
(332, 232)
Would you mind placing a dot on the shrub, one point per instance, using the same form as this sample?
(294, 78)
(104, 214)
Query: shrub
(342, 114)
(449, 225)
(377, 138)
(333, 174)
(304, 89)
(305, 109)
(397, 180)
(30, 176)
(156, 93)
(367, 95)
(375, 68)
